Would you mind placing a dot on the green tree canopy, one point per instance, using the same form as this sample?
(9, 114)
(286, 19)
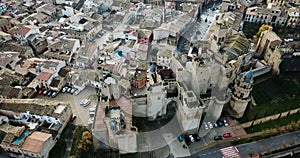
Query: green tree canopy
(261, 29)
(86, 142)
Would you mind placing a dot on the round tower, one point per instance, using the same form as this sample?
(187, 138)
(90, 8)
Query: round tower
(241, 94)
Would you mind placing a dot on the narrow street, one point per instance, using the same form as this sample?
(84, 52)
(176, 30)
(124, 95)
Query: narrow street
(261, 146)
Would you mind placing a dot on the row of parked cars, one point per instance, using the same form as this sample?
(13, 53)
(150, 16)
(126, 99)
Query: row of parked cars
(189, 138)
(226, 135)
(49, 93)
(68, 89)
(218, 123)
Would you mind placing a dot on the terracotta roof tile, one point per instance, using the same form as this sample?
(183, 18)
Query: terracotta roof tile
(35, 141)
(23, 30)
(45, 75)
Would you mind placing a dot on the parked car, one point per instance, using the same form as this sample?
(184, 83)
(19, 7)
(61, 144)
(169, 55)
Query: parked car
(92, 109)
(92, 113)
(210, 125)
(205, 125)
(85, 102)
(76, 92)
(69, 89)
(192, 138)
(49, 93)
(197, 138)
(215, 125)
(73, 117)
(41, 91)
(225, 123)
(218, 137)
(45, 92)
(91, 120)
(64, 89)
(180, 139)
(72, 90)
(25, 83)
(220, 123)
(187, 140)
(227, 135)
(54, 94)
(133, 93)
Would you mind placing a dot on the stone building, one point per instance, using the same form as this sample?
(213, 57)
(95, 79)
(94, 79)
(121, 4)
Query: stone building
(240, 97)
(32, 126)
(284, 2)
(112, 126)
(294, 17)
(156, 102)
(277, 2)
(266, 47)
(274, 15)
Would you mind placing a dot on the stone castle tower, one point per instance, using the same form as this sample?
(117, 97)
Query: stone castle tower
(241, 94)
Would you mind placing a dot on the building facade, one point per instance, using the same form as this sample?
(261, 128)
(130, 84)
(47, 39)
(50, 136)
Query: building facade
(273, 15)
(294, 17)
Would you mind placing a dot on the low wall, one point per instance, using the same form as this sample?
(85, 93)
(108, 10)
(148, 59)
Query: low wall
(269, 118)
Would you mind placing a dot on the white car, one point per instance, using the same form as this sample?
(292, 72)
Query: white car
(210, 125)
(205, 125)
(85, 102)
(64, 89)
(91, 120)
(92, 113)
(225, 123)
(69, 89)
(76, 92)
(93, 109)
(192, 138)
(72, 91)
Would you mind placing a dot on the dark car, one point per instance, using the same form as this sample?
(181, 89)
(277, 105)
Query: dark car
(196, 137)
(25, 83)
(219, 123)
(218, 137)
(187, 140)
(180, 139)
(215, 125)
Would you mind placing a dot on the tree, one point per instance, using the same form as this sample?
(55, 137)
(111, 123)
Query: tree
(86, 141)
(15, 83)
(261, 29)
